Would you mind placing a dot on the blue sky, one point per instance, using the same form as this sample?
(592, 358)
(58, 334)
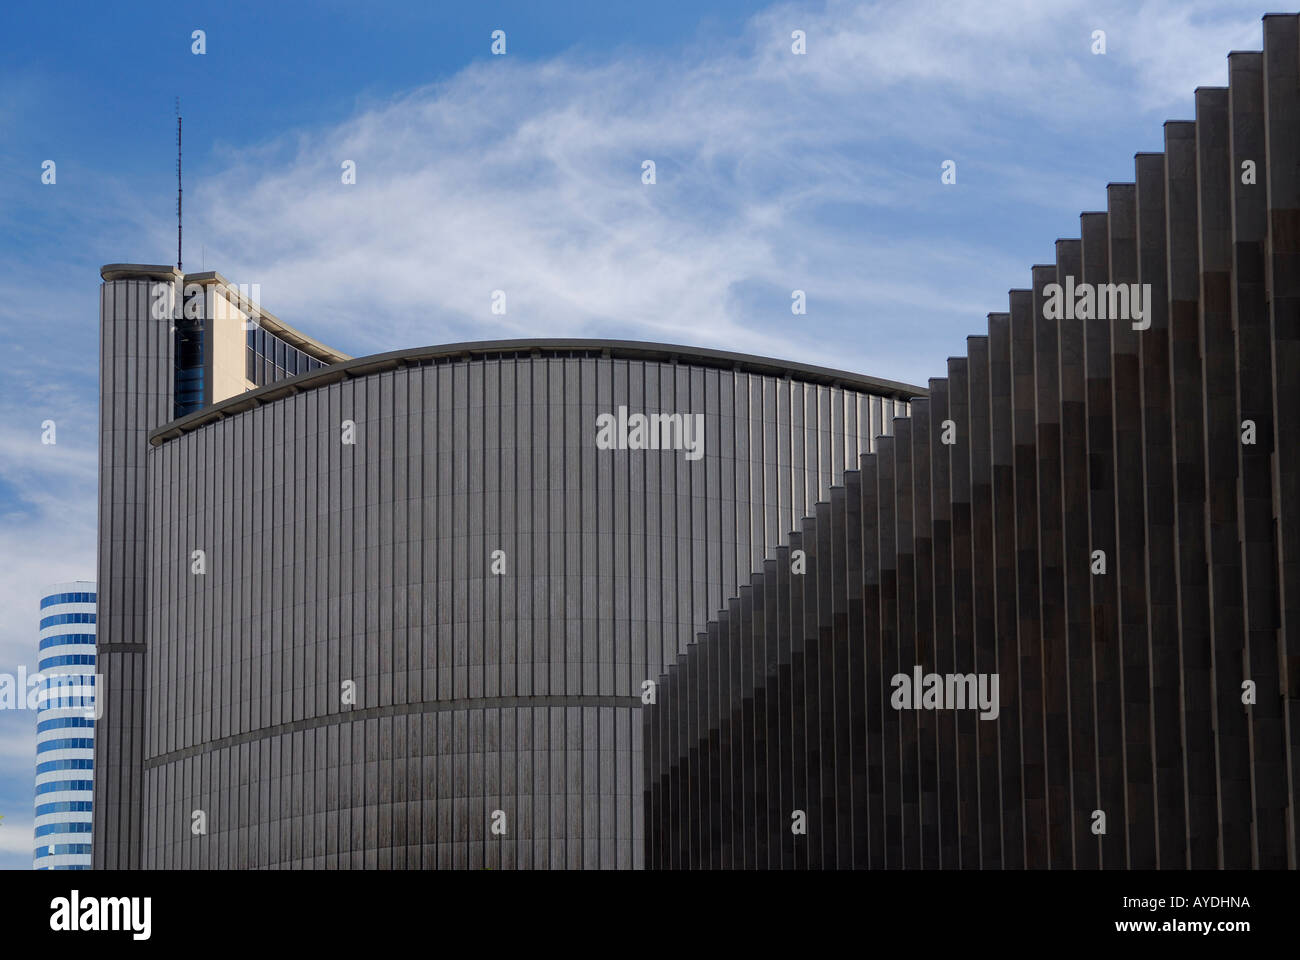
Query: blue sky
(522, 172)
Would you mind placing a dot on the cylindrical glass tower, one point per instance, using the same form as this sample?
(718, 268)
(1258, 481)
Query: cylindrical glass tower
(65, 727)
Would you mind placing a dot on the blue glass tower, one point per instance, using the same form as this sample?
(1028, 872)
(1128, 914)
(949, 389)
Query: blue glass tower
(65, 728)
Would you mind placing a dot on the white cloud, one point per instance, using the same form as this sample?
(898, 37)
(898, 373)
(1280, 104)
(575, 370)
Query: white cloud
(17, 768)
(16, 840)
(775, 172)
(525, 176)
(19, 747)
(48, 511)
(47, 549)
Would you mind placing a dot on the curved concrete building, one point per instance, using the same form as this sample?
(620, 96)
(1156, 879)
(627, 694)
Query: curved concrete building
(400, 611)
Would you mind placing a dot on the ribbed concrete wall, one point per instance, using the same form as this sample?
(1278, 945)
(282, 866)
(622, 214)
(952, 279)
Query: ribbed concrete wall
(328, 562)
(1123, 691)
(135, 396)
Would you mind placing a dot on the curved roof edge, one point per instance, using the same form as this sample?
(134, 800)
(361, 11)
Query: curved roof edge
(144, 271)
(612, 349)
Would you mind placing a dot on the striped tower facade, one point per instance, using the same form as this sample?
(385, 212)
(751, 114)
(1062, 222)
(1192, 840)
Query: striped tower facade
(65, 728)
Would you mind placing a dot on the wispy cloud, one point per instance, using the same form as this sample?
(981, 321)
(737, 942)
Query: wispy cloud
(17, 770)
(49, 538)
(774, 171)
(16, 841)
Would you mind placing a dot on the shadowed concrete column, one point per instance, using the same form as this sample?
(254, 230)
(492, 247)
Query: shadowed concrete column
(1130, 563)
(836, 586)
(963, 614)
(987, 604)
(1075, 553)
(1214, 599)
(855, 680)
(798, 697)
(821, 637)
(1282, 138)
(747, 808)
(652, 718)
(909, 720)
(735, 735)
(1104, 554)
(1009, 660)
(810, 653)
(947, 774)
(667, 765)
(1219, 600)
(685, 792)
(923, 585)
(876, 701)
(768, 778)
(1029, 623)
(784, 789)
(1154, 351)
(888, 533)
(1254, 376)
(1051, 577)
(694, 759)
(708, 742)
(726, 738)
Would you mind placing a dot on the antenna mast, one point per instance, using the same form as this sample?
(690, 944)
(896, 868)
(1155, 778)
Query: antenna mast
(179, 191)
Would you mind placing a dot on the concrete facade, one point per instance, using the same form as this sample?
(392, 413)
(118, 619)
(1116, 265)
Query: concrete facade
(1113, 533)
(356, 678)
